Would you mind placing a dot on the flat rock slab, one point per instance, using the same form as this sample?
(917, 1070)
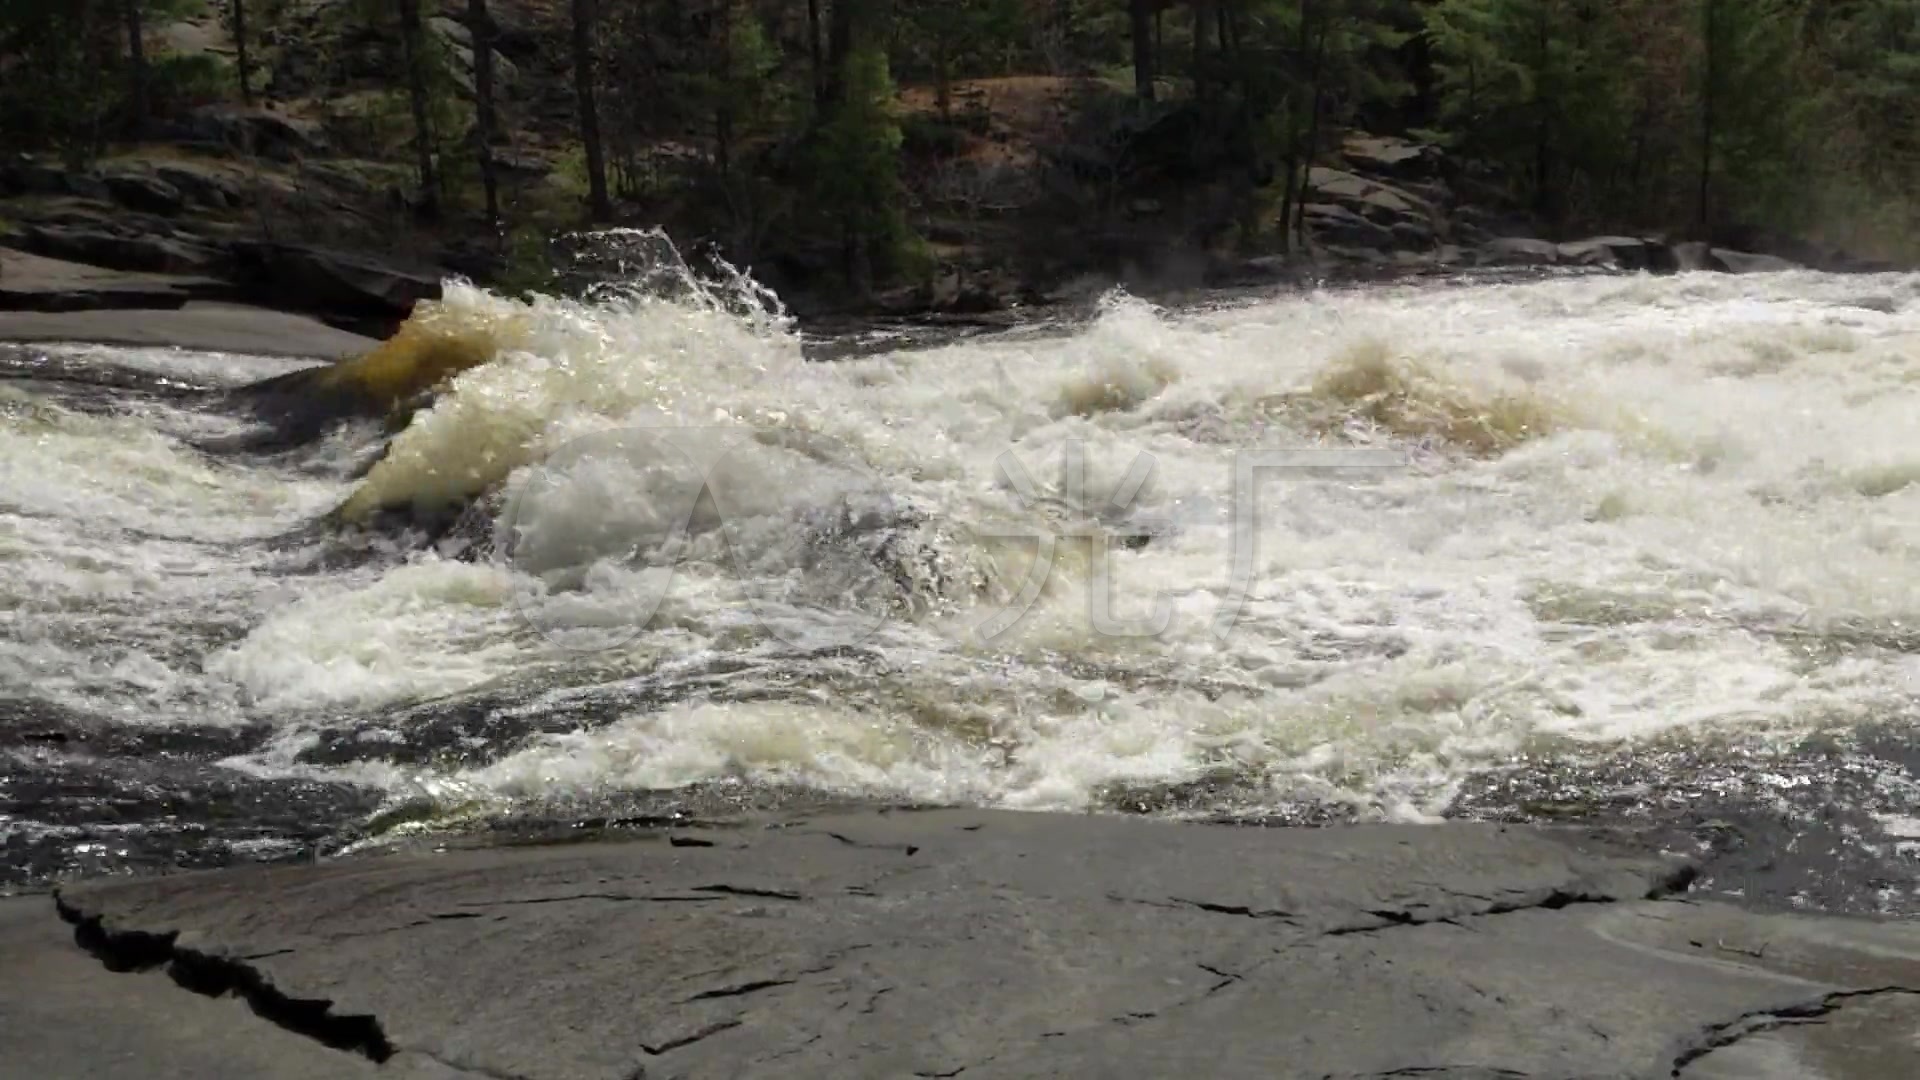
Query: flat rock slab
(211, 327)
(987, 944)
(35, 283)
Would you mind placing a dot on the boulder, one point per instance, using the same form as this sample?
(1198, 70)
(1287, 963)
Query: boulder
(458, 40)
(1385, 155)
(1620, 253)
(1518, 251)
(1744, 262)
(256, 131)
(1330, 224)
(201, 186)
(139, 189)
(35, 283)
(1377, 202)
(354, 285)
(1696, 255)
(22, 175)
(132, 252)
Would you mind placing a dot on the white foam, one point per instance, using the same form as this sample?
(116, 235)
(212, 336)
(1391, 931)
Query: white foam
(1695, 516)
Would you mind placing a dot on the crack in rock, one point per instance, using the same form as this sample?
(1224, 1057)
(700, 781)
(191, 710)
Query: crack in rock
(1439, 1073)
(748, 890)
(1176, 903)
(1236, 909)
(1675, 880)
(691, 1037)
(955, 1071)
(908, 849)
(1720, 1036)
(216, 976)
(740, 990)
(621, 898)
(1227, 978)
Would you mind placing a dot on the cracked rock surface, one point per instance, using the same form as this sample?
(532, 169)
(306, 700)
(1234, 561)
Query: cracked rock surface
(987, 944)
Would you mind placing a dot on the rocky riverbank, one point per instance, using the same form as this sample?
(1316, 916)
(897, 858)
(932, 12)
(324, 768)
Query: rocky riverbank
(950, 942)
(212, 219)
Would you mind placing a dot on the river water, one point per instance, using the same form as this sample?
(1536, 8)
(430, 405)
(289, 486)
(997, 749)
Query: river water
(1600, 548)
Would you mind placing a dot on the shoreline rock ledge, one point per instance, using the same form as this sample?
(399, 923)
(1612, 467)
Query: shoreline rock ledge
(951, 943)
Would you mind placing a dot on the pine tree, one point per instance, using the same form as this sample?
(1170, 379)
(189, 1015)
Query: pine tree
(857, 167)
(480, 27)
(584, 19)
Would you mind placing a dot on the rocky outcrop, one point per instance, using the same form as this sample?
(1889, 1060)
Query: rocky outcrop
(1395, 158)
(1699, 256)
(1620, 253)
(351, 285)
(994, 944)
(124, 244)
(34, 283)
(1408, 220)
(263, 132)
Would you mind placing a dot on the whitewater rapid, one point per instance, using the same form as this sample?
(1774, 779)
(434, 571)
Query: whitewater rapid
(1602, 512)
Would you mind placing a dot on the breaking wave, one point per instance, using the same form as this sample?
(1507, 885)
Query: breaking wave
(996, 570)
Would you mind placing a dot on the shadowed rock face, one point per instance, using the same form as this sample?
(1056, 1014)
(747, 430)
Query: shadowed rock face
(942, 943)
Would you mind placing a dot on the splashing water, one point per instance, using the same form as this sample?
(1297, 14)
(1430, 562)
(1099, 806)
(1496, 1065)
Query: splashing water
(1625, 509)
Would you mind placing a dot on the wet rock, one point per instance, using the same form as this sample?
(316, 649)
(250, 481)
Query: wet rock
(1620, 253)
(1518, 251)
(1696, 255)
(1743, 262)
(348, 284)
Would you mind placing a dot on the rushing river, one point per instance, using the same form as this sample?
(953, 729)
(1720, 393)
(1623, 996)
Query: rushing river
(1607, 547)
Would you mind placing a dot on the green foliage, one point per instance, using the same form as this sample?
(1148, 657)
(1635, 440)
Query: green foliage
(180, 83)
(959, 39)
(1537, 87)
(856, 166)
(52, 94)
(1597, 114)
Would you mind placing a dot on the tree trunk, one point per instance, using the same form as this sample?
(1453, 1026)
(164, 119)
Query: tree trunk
(480, 25)
(943, 80)
(723, 105)
(1544, 202)
(813, 53)
(1709, 46)
(414, 47)
(1202, 85)
(1142, 20)
(839, 47)
(238, 10)
(136, 66)
(1316, 104)
(583, 78)
(1159, 37)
